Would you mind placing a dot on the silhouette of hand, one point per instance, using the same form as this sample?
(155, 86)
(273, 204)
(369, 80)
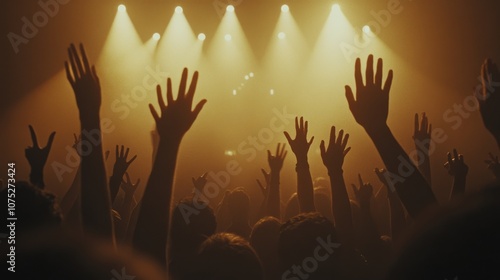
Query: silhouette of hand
(493, 165)
(383, 175)
(276, 161)
(489, 97)
(422, 131)
(84, 81)
(37, 156)
(300, 145)
(371, 106)
(176, 116)
(364, 193)
(456, 165)
(333, 157)
(128, 187)
(267, 181)
(121, 163)
(200, 182)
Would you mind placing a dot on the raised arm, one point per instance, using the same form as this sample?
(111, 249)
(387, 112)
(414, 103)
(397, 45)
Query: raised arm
(458, 169)
(370, 109)
(364, 196)
(174, 120)
(96, 204)
(37, 157)
(119, 169)
(333, 159)
(300, 147)
(274, 198)
(488, 96)
(422, 139)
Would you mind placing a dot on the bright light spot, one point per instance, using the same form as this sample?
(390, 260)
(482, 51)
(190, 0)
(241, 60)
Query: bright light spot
(234, 92)
(247, 77)
(202, 37)
(336, 7)
(156, 36)
(271, 92)
(228, 37)
(366, 29)
(281, 35)
(251, 74)
(229, 153)
(122, 8)
(285, 8)
(178, 9)
(230, 8)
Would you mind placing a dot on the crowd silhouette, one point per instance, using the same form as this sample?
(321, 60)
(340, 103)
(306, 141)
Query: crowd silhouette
(98, 229)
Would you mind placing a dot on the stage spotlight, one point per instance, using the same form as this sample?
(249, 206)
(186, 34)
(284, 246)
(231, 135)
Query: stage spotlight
(202, 37)
(285, 8)
(336, 7)
(228, 37)
(230, 8)
(251, 74)
(271, 92)
(178, 9)
(234, 92)
(247, 77)
(281, 35)
(156, 36)
(122, 8)
(367, 29)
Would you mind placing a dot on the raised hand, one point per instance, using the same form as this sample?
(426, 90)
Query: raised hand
(489, 98)
(422, 131)
(458, 169)
(176, 116)
(276, 161)
(371, 106)
(422, 138)
(37, 157)
(493, 165)
(84, 81)
(333, 157)
(200, 182)
(267, 181)
(364, 193)
(128, 187)
(456, 165)
(398, 218)
(383, 176)
(120, 167)
(300, 145)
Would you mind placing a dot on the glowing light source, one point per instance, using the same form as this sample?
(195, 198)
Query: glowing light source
(366, 29)
(251, 74)
(282, 35)
(234, 92)
(247, 77)
(271, 92)
(336, 7)
(229, 153)
(228, 37)
(156, 36)
(202, 37)
(230, 8)
(285, 8)
(178, 9)
(122, 8)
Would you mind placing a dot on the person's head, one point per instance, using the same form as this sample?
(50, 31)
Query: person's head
(239, 205)
(264, 239)
(227, 256)
(34, 208)
(292, 207)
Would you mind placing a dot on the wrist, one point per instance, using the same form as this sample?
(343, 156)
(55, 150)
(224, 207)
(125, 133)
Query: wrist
(377, 130)
(334, 171)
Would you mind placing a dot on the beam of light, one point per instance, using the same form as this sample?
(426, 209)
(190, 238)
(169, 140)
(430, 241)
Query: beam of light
(336, 8)
(228, 37)
(179, 46)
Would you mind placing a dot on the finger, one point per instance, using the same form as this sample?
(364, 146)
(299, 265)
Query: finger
(278, 150)
(332, 135)
(306, 127)
(388, 83)
(126, 153)
(415, 124)
(84, 58)
(430, 130)
(192, 87)
(311, 141)
(357, 75)
(449, 157)
(132, 159)
(269, 156)
(128, 178)
(51, 140)
(182, 86)
(347, 151)
(204, 176)
(68, 74)
(455, 154)
(78, 61)
(461, 158)
(264, 172)
(170, 95)
(76, 137)
(117, 154)
(95, 77)
(106, 155)
(154, 113)
(369, 70)
(76, 75)
(424, 122)
(121, 150)
(339, 137)
(288, 138)
(378, 75)
(33, 137)
(355, 189)
(296, 125)
(322, 148)
(198, 108)
(344, 143)
(360, 180)
(159, 96)
(350, 98)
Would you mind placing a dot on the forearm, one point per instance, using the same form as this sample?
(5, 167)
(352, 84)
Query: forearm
(96, 205)
(274, 200)
(153, 222)
(341, 206)
(398, 219)
(36, 177)
(414, 191)
(114, 186)
(424, 164)
(458, 186)
(71, 195)
(305, 191)
(368, 226)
